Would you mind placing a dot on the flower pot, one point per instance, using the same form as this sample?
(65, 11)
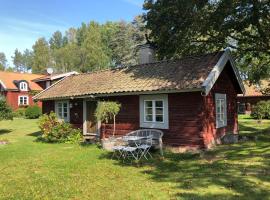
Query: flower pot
(108, 144)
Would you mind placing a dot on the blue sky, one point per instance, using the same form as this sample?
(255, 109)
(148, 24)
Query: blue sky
(23, 21)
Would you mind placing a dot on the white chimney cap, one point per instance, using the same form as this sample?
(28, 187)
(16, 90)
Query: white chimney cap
(50, 70)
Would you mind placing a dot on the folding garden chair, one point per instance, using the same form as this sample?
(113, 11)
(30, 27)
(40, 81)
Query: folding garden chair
(130, 152)
(144, 147)
(118, 151)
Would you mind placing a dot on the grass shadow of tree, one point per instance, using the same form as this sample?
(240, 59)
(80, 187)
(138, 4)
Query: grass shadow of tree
(5, 131)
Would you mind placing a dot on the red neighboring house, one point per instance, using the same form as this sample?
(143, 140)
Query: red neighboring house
(253, 94)
(192, 100)
(19, 88)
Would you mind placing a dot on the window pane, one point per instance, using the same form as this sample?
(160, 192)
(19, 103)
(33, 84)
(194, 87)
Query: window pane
(159, 104)
(159, 111)
(149, 118)
(65, 115)
(159, 118)
(148, 104)
(148, 111)
(59, 111)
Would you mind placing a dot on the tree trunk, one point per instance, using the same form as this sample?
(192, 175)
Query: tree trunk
(113, 125)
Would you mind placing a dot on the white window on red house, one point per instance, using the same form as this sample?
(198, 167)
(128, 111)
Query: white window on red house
(23, 100)
(221, 110)
(62, 110)
(154, 111)
(23, 86)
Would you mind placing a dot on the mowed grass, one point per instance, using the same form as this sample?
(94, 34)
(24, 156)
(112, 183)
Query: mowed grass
(34, 170)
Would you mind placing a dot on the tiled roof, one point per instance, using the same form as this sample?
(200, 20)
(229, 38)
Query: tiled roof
(183, 74)
(8, 79)
(255, 90)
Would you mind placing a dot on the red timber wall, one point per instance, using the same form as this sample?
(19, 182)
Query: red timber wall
(185, 116)
(12, 98)
(226, 84)
(250, 101)
(76, 111)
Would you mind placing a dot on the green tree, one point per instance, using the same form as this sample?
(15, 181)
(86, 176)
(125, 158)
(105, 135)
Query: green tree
(41, 56)
(5, 110)
(57, 40)
(18, 61)
(92, 51)
(182, 27)
(27, 59)
(3, 61)
(67, 58)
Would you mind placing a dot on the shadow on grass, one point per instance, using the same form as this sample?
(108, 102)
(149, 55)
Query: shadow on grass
(35, 134)
(228, 172)
(238, 171)
(5, 131)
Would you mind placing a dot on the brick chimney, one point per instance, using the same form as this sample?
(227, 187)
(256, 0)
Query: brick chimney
(146, 53)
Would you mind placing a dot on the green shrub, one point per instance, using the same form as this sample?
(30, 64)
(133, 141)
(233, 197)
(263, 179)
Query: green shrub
(261, 110)
(33, 112)
(54, 130)
(19, 113)
(107, 110)
(5, 111)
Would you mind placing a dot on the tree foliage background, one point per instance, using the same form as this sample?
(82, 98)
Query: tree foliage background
(90, 47)
(184, 27)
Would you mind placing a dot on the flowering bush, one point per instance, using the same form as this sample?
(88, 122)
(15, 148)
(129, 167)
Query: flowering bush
(54, 130)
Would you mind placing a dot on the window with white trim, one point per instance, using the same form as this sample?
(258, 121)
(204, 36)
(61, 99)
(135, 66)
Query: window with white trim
(23, 100)
(221, 110)
(23, 86)
(154, 111)
(62, 110)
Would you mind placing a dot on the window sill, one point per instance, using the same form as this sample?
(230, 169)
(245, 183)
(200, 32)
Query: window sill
(154, 125)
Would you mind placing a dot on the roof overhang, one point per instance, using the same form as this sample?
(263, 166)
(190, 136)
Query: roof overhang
(102, 95)
(3, 85)
(216, 71)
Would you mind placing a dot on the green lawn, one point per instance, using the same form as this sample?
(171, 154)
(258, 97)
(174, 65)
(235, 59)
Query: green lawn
(33, 170)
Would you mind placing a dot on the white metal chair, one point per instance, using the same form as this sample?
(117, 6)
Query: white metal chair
(130, 152)
(144, 147)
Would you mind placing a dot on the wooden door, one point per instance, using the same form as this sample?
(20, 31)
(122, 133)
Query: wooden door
(90, 117)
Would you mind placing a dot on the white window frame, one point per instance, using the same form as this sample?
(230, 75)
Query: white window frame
(60, 116)
(23, 86)
(154, 124)
(19, 100)
(221, 121)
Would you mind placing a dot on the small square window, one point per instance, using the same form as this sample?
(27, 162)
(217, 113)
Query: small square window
(154, 111)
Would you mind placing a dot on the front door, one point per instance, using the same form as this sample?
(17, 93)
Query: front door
(91, 122)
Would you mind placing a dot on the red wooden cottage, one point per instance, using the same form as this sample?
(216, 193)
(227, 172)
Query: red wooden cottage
(192, 100)
(253, 94)
(19, 88)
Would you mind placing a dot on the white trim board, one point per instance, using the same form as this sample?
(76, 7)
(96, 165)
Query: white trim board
(4, 86)
(216, 71)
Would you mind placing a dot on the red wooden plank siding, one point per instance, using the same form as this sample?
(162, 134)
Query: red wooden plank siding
(12, 98)
(225, 85)
(185, 126)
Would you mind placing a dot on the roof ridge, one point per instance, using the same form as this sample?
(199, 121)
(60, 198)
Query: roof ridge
(147, 64)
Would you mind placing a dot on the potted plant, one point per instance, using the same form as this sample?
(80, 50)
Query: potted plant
(106, 111)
